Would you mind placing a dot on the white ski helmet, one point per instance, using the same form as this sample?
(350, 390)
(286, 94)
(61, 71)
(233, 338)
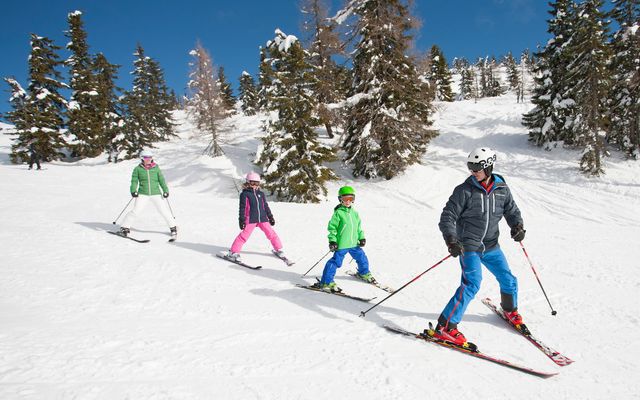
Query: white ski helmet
(481, 158)
(146, 153)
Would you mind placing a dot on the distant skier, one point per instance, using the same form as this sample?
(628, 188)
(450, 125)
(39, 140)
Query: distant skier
(254, 212)
(34, 156)
(146, 182)
(469, 225)
(345, 236)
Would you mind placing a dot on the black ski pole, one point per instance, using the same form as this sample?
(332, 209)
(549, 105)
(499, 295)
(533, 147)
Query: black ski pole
(553, 312)
(363, 313)
(125, 207)
(305, 274)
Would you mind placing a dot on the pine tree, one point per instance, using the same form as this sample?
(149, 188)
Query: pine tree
(226, 93)
(38, 112)
(324, 44)
(624, 98)
(82, 120)
(467, 76)
(588, 72)
(205, 103)
(248, 94)
(108, 109)
(513, 75)
(265, 79)
(440, 75)
(147, 107)
(388, 125)
(290, 154)
(551, 120)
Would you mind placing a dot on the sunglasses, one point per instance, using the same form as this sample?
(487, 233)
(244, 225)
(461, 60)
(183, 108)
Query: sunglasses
(347, 198)
(147, 158)
(254, 183)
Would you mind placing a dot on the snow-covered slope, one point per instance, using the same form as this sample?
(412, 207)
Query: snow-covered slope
(88, 315)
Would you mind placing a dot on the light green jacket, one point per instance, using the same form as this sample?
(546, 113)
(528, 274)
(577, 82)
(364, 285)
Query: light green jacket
(148, 181)
(344, 227)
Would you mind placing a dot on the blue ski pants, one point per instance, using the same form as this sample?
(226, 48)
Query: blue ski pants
(470, 262)
(335, 262)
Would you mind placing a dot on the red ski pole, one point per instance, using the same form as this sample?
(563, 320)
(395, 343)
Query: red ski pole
(363, 313)
(553, 312)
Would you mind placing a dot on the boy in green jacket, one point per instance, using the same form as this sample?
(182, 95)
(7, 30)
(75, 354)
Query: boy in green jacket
(146, 182)
(345, 236)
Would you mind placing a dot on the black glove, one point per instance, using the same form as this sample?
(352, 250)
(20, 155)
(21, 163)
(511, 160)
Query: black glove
(454, 247)
(241, 223)
(134, 194)
(362, 242)
(517, 233)
(165, 194)
(272, 220)
(333, 246)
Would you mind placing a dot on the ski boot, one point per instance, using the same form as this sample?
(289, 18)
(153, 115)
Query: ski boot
(234, 256)
(516, 320)
(174, 231)
(124, 232)
(449, 335)
(327, 287)
(367, 278)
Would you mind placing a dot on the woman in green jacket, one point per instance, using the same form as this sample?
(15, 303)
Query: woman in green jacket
(345, 236)
(146, 184)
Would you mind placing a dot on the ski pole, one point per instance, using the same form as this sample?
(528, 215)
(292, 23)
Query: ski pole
(125, 207)
(305, 274)
(553, 312)
(169, 204)
(363, 313)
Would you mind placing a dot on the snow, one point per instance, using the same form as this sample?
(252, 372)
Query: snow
(88, 315)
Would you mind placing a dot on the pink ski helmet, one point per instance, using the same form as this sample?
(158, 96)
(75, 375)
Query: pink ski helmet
(252, 176)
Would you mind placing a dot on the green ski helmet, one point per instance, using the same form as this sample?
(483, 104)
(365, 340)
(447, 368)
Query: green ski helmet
(346, 190)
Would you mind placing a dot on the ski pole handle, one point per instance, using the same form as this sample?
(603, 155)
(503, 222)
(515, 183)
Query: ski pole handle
(125, 207)
(363, 313)
(305, 274)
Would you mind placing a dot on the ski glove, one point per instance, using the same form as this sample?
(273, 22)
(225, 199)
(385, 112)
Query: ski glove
(134, 194)
(241, 223)
(165, 194)
(517, 233)
(333, 246)
(272, 220)
(454, 247)
(362, 242)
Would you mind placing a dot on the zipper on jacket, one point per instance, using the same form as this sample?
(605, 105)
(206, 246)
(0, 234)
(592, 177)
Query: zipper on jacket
(486, 225)
(257, 205)
(149, 181)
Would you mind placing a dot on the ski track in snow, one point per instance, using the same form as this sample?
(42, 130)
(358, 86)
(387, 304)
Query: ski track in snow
(86, 315)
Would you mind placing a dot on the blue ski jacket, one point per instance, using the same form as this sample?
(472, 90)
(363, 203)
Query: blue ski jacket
(254, 207)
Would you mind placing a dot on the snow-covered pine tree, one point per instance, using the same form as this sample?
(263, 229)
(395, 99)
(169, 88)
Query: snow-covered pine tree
(108, 109)
(248, 94)
(84, 127)
(440, 75)
(38, 112)
(388, 126)
(147, 107)
(624, 99)
(323, 43)
(494, 85)
(226, 93)
(588, 71)
(513, 74)
(551, 120)
(482, 81)
(290, 155)
(265, 79)
(205, 103)
(467, 76)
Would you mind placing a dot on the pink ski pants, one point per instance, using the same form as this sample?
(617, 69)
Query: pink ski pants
(244, 235)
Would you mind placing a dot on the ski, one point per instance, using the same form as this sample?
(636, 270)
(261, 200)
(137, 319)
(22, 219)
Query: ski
(285, 259)
(554, 355)
(129, 237)
(240, 263)
(475, 353)
(376, 284)
(173, 239)
(341, 294)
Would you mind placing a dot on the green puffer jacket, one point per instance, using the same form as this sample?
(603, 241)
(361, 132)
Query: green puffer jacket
(148, 181)
(344, 227)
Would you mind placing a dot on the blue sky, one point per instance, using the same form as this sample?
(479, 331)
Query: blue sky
(232, 31)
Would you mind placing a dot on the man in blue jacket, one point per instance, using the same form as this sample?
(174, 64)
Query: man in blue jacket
(469, 225)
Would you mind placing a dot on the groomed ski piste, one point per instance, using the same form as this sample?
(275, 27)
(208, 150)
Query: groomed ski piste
(86, 315)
